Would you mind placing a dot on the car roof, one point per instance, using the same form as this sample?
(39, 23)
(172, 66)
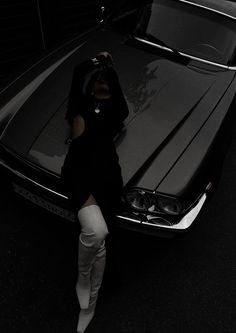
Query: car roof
(225, 7)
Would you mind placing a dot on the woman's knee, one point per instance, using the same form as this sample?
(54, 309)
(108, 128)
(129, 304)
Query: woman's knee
(93, 226)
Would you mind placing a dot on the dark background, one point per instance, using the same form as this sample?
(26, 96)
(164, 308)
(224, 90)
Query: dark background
(30, 28)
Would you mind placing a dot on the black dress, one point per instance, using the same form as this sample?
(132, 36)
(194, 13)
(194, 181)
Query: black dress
(92, 165)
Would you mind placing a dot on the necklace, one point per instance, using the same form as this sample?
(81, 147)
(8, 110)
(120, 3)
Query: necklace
(97, 106)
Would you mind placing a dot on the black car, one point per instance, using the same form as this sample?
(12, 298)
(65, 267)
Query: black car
(176, 63)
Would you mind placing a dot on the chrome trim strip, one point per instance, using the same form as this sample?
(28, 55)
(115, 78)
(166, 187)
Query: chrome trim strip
(185, 222)
(128, 219)
(19, 174)
(208, 8)
(185, 54)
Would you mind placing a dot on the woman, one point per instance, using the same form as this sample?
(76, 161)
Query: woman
(91, 171)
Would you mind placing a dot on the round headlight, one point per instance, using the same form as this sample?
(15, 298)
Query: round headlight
(169, 205)
(138, 199)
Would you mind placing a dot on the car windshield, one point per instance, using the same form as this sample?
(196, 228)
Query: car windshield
(189, 29)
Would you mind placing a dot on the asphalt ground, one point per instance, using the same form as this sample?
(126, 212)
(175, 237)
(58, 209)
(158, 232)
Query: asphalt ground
(151, 285)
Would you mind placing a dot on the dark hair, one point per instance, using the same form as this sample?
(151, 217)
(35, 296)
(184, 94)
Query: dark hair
(103, 73)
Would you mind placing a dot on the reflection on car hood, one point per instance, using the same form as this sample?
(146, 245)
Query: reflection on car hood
(163, 96)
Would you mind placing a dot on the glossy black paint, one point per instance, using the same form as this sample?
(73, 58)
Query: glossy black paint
(176, 134)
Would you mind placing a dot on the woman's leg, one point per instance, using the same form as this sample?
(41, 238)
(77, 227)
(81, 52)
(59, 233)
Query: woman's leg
(91, 259)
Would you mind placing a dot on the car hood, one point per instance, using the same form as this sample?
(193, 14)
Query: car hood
(162, 95)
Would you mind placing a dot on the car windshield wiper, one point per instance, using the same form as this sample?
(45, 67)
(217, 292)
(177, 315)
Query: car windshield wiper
(157, 41)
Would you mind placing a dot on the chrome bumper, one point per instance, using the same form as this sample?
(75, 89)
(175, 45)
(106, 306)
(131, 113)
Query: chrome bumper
(151, 222)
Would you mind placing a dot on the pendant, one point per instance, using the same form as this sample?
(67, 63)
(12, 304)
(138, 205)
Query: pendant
(97, 110)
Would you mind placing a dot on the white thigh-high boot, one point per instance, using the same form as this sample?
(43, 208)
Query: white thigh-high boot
(92, 259)
(96, 276)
